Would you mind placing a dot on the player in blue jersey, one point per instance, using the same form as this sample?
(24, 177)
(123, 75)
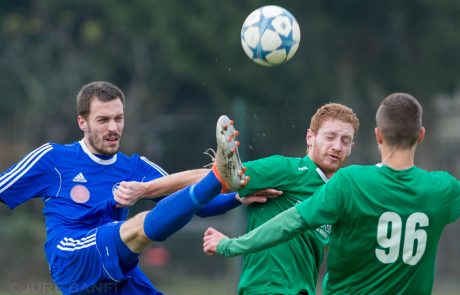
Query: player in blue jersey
(90, 246)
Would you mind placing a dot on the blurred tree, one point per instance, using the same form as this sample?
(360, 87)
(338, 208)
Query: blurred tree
(162, 52)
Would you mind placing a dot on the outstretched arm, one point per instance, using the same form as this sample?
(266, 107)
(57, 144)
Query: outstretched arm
(129, 192)
(326, 206)
(279, 229)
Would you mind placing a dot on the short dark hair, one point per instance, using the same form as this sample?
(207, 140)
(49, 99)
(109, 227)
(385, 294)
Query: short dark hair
(335, 111)
(104, 91)
(399, 118)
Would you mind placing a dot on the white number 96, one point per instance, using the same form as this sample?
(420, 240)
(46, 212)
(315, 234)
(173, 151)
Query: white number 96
(389, 237)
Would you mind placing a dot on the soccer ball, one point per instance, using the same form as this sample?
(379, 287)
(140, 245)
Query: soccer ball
(270, 35)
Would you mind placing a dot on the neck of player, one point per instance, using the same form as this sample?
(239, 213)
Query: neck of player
(397, 158)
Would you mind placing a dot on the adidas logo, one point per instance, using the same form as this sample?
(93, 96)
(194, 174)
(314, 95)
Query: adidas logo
(303, 168)
(79, 178)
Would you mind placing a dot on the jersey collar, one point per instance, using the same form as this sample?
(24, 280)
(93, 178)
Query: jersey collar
(318, 170)
(96, 158)
(321, 174)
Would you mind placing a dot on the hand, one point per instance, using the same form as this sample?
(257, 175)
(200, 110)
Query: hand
(128, 193)
(261, 196)
(211, 239)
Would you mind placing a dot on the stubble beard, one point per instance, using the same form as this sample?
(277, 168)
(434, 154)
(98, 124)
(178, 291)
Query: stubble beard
(325, 164)
(97, 144)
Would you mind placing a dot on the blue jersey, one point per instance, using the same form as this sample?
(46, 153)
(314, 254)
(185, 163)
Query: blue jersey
(76, 188)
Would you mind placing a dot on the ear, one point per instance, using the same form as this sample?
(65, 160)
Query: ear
(309, 137)
(421, 135)
(378, 135)
(351, 147)
(82, 123)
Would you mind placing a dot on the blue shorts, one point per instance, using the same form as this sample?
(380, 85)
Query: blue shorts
(88, 263)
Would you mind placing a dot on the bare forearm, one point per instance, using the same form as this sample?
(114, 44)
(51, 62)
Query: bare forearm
(173, 182)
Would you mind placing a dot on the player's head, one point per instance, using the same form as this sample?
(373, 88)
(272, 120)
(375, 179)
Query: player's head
(330, 136)
(100, 108)
(399, 121)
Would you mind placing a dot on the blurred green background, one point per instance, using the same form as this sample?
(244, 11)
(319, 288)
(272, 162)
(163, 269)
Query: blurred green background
(181, 65)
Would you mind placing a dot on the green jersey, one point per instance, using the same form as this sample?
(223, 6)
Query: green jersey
(386, 227)
(292, 266)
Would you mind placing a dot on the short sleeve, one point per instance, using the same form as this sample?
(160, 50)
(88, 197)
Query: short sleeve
(147, 170)
(29, 178)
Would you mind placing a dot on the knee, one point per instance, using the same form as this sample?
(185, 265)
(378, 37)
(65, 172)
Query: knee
(132, 231)
(141, 221)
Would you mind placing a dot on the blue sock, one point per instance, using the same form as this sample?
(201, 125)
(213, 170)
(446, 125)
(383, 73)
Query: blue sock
(127, 258)
(175, 211)
(206, 189)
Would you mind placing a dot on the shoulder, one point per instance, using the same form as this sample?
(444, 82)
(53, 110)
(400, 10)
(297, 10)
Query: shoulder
(47, 154)
(141, 161)
(271, 158)
(274, 162)
(133, 160)
(63, 148)
(277, 159)
(443, 177)
(355, 173)
(48, 149)
(153, 165)
(353, 170)
(68, 150)
(439, 174)
(129, 158)
(440, 183)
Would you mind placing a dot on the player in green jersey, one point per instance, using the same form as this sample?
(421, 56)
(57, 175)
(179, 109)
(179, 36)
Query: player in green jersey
(292, 267)
(386, 219)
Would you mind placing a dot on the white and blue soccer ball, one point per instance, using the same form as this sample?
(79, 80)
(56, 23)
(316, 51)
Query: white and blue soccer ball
(270, 35)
